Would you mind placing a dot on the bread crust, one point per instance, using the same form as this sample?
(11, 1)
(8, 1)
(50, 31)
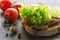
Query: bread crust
(52, 30)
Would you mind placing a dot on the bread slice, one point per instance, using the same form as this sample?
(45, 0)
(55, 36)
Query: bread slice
(48, 32)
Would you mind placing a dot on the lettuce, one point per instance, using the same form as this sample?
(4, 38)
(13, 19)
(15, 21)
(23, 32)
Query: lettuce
(55, 12)
(38, 15)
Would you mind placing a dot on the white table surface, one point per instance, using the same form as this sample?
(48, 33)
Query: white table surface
(24, 35)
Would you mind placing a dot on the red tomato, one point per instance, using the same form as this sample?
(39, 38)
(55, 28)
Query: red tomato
(5, 0)
(12, 14)
(16, 6)
(5, 4)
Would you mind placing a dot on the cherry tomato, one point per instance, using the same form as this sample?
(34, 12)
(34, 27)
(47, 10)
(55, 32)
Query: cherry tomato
(12, 14)
(5, 0)
(5, 4)
(16, 6)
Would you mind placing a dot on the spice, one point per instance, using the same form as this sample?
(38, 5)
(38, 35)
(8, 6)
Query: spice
(19, 35)
(4, 25)
(6, 34)
(13, 29)
(7, 24)
(5, 21)
(8, 29)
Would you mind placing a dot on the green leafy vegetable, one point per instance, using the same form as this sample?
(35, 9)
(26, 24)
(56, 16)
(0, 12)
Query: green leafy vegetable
(55, 12)
(38, 15)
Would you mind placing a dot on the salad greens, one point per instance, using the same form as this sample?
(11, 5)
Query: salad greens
(38, 15)
(55, 12)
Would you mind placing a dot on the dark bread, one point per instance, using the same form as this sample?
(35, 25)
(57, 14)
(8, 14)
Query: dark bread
(49, 32)
(51, 29)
